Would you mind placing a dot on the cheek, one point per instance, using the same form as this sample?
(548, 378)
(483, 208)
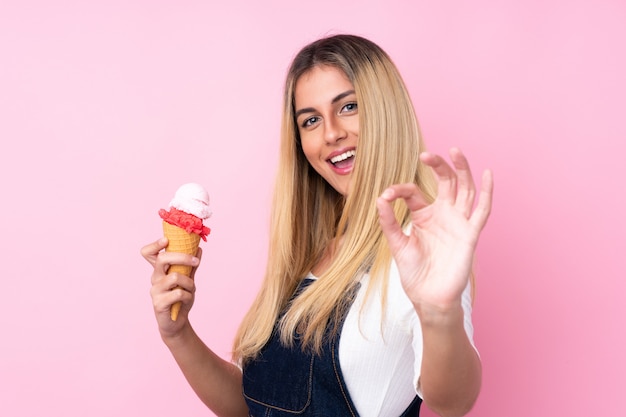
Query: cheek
(310, 157)
(310, 149)
(353, 126)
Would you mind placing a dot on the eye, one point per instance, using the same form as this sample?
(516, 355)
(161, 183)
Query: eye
(310, 121)
(349, 107)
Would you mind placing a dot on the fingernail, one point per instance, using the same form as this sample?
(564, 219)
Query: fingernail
(195, 261)
(388, 193)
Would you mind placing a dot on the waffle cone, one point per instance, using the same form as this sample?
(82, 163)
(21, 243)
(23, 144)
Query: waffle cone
(181, 241)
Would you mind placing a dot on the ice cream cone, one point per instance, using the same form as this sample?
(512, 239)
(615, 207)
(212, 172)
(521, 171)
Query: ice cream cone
(179, 240)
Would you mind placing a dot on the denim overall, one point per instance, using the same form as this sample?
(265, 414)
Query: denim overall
(284, 382)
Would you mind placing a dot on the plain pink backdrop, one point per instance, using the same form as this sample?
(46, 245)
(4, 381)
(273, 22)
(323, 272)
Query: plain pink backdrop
(106, 107)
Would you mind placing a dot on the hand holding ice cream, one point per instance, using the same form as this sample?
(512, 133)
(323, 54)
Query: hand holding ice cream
(183, 225)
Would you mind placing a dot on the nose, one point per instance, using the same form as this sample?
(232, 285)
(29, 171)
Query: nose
(333, 130)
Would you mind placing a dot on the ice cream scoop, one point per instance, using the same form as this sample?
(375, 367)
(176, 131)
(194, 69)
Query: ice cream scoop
(192, 198)
(183, 226)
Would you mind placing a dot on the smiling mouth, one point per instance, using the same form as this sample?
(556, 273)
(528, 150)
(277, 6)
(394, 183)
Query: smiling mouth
(343, 160)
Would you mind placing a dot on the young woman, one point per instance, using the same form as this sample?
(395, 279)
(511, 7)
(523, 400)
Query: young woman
(365, 309)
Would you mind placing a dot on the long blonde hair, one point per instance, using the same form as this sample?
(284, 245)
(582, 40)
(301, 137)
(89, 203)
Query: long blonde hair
(308, 213)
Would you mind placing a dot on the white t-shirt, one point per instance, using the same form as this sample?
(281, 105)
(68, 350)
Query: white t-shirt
(382, 368)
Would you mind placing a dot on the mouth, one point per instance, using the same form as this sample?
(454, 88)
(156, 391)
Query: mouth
(343, 162)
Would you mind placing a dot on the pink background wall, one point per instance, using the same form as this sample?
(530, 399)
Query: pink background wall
(106, 107)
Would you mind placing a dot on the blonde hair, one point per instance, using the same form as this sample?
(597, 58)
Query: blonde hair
(308, 213)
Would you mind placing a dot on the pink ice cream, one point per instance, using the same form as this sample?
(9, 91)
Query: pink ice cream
(188, 209)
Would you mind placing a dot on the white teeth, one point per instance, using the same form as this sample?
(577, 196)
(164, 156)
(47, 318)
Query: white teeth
(342, 157)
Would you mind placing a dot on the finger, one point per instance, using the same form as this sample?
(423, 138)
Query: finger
(485, 199)
(163, 300)
(466, 189)
(199, 257)
(447, 179)
(174, 282)
(151, 250)
(182, 282)
(409, 192)
(388, 222)
(392, 230)
(166, 259)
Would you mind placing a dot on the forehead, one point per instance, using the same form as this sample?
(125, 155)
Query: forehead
(320, 85)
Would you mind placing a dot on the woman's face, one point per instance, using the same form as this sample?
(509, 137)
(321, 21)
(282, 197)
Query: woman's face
(328, 122)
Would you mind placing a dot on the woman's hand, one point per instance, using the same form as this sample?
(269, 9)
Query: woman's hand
(164, 289)
(435, 259)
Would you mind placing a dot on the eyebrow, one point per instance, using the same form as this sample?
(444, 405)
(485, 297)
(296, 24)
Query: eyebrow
(333, 101)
